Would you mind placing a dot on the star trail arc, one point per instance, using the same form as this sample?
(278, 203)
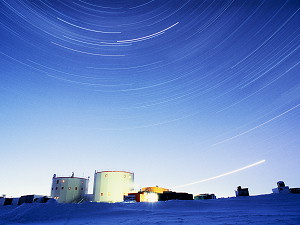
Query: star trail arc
(210, 77)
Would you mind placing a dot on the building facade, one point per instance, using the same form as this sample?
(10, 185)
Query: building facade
(241, 191)
(112, 186)
(69, 189)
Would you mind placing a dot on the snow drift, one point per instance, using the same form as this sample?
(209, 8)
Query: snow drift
(264, 209)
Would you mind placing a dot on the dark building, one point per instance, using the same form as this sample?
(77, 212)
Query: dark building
(204, 196)
(24, 199)
(170, 195)
(241, 191)
(132, 197)
(32, 199)
(295, 190)
(8, 201)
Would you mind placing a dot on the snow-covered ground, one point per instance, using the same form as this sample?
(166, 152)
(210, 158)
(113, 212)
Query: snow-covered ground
(264, 209)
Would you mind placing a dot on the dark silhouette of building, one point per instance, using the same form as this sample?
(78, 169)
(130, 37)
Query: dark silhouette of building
(241, 191)
(204, 196)
(295, 190)
(170, 195)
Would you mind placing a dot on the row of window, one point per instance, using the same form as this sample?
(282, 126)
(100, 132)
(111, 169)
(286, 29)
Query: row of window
(63, 181)
(109, 194)
(102, 194)
(69, 188)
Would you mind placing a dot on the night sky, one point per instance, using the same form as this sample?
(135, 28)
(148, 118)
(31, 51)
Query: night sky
(174, 91)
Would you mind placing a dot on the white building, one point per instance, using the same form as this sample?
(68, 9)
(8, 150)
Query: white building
(69, 189)
(111, 186)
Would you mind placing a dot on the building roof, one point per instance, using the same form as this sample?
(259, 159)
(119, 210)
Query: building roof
(114, 171)
(72, 177)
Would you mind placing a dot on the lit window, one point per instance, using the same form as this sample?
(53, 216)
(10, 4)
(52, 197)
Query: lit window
(82, 182)
(101, 194)
(76, 188)
(63, 181)
(108, 193)
(57, 181)
(69, 188)
(106, 175)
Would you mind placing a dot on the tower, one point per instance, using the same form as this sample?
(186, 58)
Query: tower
(111, 186)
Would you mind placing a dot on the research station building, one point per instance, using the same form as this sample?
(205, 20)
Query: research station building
(69, 189)
(112, 186)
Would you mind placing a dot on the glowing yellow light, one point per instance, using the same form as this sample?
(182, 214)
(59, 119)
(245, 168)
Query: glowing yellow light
(151, 197)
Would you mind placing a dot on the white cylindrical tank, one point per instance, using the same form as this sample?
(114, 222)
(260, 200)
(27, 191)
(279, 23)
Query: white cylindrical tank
(111, 186)
(69, 189)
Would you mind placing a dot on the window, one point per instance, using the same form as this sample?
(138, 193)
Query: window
(56, 188)
(52, 189)
(81, 188)
(62, 188)
(69, 188)
(101, 194)
(76, 188)
(57, 181)
(124, 176)
(63, 181)
(106, 175)
(108, 193)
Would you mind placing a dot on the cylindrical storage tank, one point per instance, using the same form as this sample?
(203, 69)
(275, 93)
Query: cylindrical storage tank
(69, 189)
(111, 186)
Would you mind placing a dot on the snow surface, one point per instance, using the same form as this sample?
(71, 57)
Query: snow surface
(264, 209)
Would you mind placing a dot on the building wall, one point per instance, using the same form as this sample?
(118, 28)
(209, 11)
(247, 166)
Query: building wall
(204, 196)
(2, 201)
(69, 189)
(111, 186)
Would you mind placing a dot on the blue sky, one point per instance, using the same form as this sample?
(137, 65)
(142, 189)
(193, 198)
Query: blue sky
(174, 91)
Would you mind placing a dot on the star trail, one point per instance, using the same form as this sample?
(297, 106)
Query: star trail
(172, 90)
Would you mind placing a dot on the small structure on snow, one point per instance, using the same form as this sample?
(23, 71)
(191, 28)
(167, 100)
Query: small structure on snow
(281, 188)
(241, 191)
(204, 196)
